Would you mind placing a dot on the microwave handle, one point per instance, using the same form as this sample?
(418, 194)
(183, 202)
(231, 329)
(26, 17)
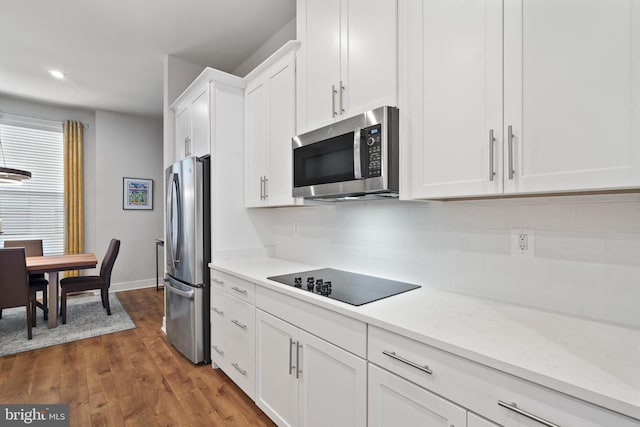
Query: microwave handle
(357, 165)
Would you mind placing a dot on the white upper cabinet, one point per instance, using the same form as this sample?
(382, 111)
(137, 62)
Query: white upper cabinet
(270, 125)
(256, 155)
(183, 132)
(451, 90)
(192, 123)
(567, 72)
(572, 94)
(195, 112)
(347, 60)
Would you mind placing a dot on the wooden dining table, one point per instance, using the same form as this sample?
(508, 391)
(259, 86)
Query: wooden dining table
(52, 264)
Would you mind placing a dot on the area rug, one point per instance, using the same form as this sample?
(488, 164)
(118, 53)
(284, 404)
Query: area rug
(85, 318)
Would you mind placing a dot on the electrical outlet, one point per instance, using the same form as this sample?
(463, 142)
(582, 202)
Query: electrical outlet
(296, 229)
(523, 242)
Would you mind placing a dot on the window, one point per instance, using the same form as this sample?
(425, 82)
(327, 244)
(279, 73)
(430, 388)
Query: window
(34, 209)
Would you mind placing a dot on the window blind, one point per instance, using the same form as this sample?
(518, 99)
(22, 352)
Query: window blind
(35, 208)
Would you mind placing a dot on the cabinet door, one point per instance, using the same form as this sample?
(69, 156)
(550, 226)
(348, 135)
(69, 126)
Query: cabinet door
(369, 65)
(451, 88)
(475, 421)
(319, 32)
(572, 87)
(333, 385)
(200, 123)
(257, 142)
(276, 385)
(183, 132)
(282, 104)
(394, 401)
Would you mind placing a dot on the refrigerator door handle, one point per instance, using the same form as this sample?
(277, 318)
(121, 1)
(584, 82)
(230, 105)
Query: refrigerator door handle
(188, 295)
(176, 227)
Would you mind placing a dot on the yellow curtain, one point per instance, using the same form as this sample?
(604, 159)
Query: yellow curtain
(73, 190)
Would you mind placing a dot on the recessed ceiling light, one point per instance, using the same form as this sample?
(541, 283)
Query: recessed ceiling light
(57, 74)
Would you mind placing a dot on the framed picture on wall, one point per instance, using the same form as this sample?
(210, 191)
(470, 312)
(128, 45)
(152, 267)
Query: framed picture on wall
(137, 193)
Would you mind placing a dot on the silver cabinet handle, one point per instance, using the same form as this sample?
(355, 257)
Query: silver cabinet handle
(242, 325)
(342, 88)
(240, 291)
(219, 282)
(298, 370)
(266, 187)
(333, 101)
(393, 355)
(239, 369)
(220, 352)
(221, 313)
(510, 143)
(357, 165)
(492, 141)
(513, 407)
(187, 146)
(291, 342)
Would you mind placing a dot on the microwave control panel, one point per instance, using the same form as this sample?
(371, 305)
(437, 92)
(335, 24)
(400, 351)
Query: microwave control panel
(373, 139)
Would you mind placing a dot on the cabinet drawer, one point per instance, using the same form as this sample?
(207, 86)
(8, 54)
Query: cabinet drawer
(340, 330)
(219, 320)
(233, 338)
(240, 328)
(394, 401)
(242, 372)
(239, 288)
(480, 388)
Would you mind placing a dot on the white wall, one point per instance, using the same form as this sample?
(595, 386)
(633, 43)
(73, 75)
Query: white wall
(587, 259)
(286, 33)
(128, 146)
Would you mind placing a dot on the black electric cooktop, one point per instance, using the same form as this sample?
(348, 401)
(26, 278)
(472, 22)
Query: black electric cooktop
(351, 288)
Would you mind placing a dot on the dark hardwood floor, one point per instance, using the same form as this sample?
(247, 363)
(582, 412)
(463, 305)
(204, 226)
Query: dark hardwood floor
(129, 378)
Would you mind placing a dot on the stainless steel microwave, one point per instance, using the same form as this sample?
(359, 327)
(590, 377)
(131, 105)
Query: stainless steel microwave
(354, 157)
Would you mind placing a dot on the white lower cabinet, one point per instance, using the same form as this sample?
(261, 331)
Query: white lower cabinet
(304, 380)
(507, 400)
(333, 370)
(277, 385)
(475, 421)
(394, 401)
(233, 336)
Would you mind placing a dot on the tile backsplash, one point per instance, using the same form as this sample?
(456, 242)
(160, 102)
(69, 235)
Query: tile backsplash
(586, 260)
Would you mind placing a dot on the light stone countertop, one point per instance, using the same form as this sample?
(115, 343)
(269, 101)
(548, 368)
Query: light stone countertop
(596, 362)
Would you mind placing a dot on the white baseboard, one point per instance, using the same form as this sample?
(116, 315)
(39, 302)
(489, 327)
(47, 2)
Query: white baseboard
(136, 284)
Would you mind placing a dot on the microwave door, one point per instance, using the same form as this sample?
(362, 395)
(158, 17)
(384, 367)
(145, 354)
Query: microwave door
(325, 162)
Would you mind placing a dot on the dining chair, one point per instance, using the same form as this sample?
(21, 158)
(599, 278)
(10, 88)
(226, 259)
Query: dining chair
(37, 282)
(88, 283)
(14, 283)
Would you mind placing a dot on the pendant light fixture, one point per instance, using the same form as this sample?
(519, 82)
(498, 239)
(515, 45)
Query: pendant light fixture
(11, 176)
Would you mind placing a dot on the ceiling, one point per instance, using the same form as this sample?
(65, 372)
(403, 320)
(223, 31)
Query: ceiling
(112, 51)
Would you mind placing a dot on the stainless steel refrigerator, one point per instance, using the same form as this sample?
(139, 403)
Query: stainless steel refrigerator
(188, 253)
